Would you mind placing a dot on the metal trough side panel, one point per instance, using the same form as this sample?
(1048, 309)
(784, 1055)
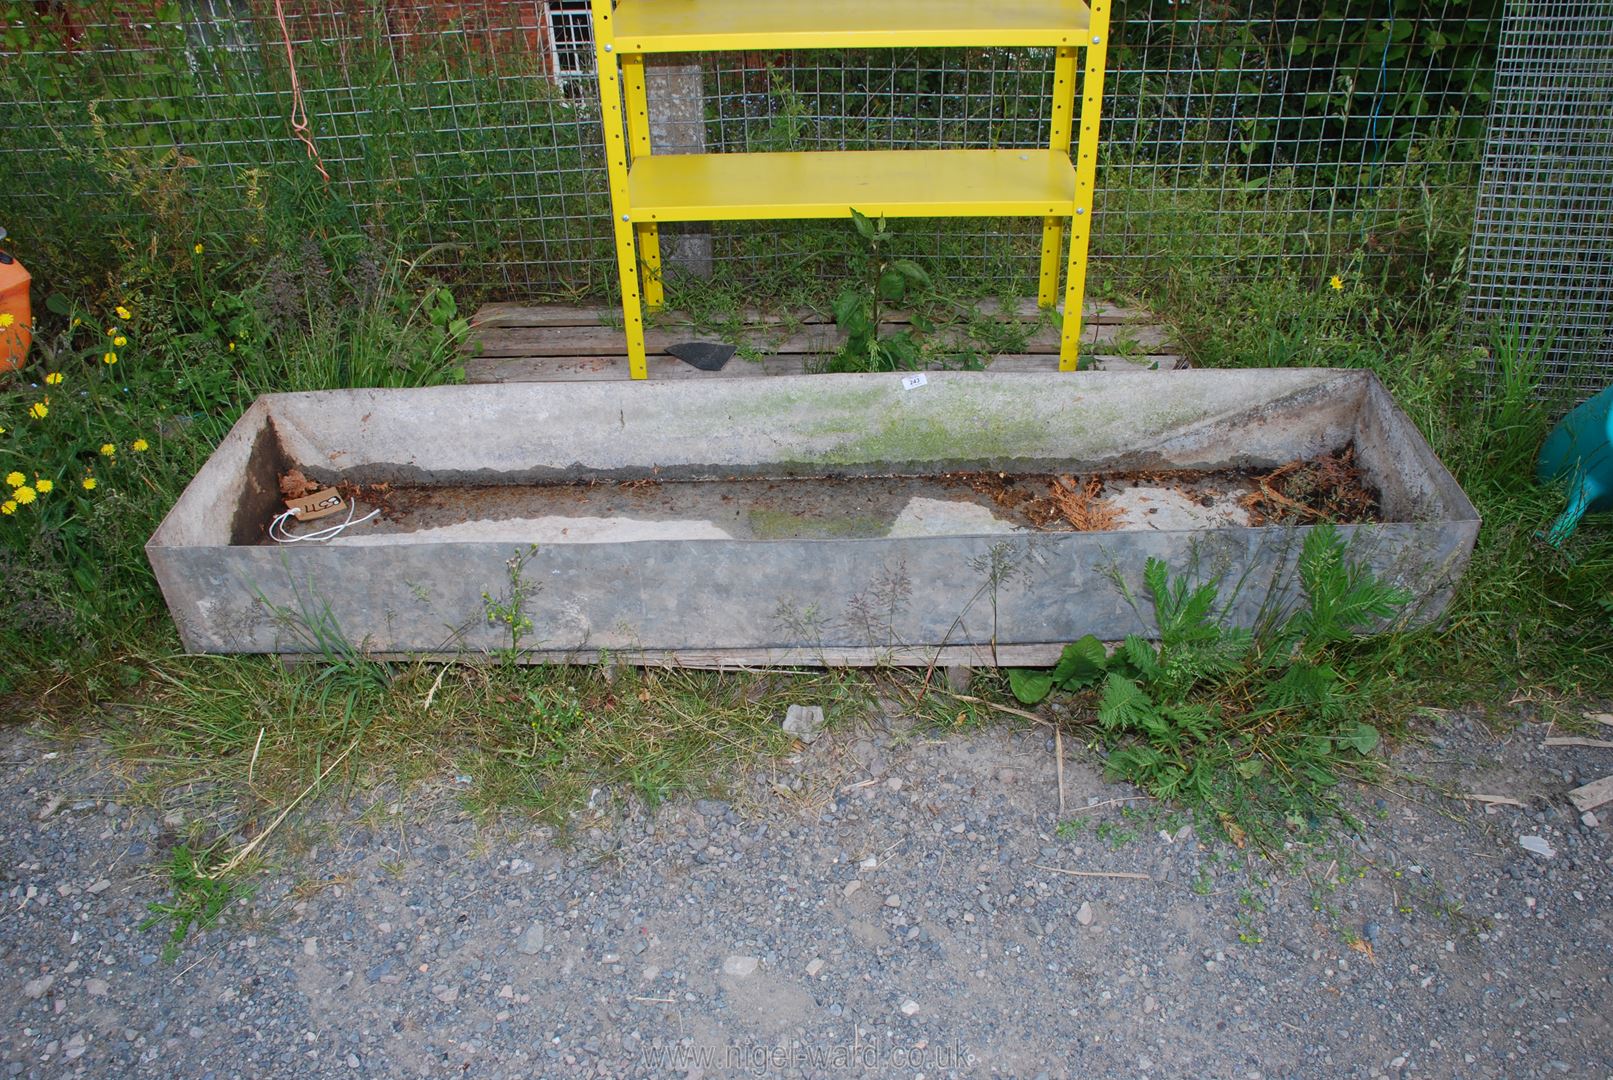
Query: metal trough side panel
(864, 599)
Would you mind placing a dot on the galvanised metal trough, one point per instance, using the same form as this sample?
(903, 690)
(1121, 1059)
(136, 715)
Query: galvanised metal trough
(812, 519)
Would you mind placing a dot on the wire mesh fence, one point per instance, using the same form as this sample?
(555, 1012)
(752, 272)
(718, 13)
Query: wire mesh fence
(1236, 131)
(1542, 248)
(1233, 131)
(448, 126)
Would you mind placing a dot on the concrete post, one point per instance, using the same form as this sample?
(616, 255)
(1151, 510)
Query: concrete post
(678, 126)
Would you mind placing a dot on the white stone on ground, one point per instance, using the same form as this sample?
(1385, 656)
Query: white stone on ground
(740, 966)
(805, 722)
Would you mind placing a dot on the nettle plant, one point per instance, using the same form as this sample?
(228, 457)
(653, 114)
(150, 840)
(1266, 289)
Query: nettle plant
(856, 309)
(1226, 718)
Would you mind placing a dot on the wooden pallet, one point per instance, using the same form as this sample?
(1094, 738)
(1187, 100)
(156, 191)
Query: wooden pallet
(566, 343)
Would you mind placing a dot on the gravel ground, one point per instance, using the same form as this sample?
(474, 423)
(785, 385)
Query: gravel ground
(885, 903)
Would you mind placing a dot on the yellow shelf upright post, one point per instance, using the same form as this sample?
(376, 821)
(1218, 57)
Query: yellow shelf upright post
(637, 101)
(1047, 292)
(1086, 170)
(610, 100)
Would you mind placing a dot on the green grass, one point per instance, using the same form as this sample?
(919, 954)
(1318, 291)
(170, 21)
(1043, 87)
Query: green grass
(233, 742)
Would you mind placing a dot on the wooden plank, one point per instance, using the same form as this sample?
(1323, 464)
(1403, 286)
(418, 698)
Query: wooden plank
(606, 341)
(1592, 795)
(816, 339)
(1093, 311)
(1015, 362)
(1575, 740)
(983, 656)
(1124, 340)
(512, 314)
(494, 369)
(597, 314)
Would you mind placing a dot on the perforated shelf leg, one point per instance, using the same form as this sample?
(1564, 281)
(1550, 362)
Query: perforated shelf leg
(636, 99)
(1047, 292)
(1086, 171)
(610, 101)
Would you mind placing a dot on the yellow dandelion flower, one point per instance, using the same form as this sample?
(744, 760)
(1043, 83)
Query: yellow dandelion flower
(111, 331)
(15, 479)
(1336, 283)
(24, 495)
(44, 486)
(39, 410)
(232, 346)
(8, 507)
(110, 358)
(197, 249)
(123, 313)
(6, 319)
(53, 379)
(120, 341)
(140, 446)
(108, 449)
(88, 483)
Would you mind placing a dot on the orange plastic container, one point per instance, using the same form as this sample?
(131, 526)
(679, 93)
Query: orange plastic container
(14, 339)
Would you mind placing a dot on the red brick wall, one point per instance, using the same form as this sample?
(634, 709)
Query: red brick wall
(492, 26)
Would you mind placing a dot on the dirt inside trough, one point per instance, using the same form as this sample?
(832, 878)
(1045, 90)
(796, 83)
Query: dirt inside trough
(1327, 488)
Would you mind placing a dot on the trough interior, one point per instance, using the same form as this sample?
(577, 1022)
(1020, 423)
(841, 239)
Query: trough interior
(571, 464)
(807, 508)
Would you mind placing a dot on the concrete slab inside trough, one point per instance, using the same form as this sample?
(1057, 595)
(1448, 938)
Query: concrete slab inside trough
(707, 575)
(798, 508)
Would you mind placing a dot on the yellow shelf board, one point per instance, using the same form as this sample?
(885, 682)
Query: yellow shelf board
(893, 183)
(663, 26)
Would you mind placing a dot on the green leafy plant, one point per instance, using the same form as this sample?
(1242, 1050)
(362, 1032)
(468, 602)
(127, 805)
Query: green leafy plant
(1081, 665)
(198, 900)
(856, 309)
(508, 609)
(1226, 719)
(442, 315)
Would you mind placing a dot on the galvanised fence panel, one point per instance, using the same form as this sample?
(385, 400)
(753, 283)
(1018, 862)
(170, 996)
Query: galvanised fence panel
(1542, 249)
(1239, 131)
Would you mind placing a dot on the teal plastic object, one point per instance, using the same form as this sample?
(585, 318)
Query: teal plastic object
(1580, 449)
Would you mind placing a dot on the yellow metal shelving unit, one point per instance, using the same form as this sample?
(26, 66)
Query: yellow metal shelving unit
(1051, 184)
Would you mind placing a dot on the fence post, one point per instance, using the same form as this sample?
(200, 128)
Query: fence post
(678, 126)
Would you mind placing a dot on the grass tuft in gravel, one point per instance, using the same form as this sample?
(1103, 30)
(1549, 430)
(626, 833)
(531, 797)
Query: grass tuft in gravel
(201, 892)
(242, 737)
(226, 748)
